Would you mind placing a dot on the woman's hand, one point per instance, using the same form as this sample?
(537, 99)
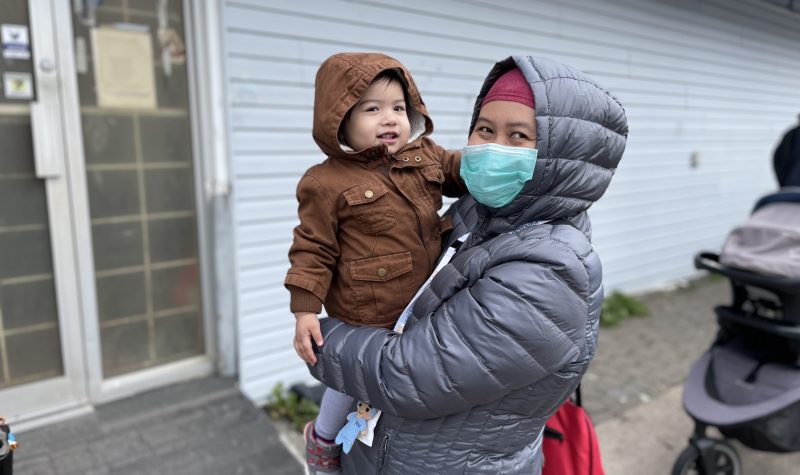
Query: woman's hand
(306, 328)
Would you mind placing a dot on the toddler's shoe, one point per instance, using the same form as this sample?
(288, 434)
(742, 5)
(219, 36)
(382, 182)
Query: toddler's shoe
(322, 458)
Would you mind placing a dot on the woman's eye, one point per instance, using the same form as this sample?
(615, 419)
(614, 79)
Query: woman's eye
(519, 136)
(485, 130)
(399, 108)
(371, 109)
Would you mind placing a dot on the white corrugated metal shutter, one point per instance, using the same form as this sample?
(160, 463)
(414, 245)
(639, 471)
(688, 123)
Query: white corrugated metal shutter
(717, 80)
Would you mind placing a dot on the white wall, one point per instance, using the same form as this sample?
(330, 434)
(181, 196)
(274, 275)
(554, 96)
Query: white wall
(720, 79)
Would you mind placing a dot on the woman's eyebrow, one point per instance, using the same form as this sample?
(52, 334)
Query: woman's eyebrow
(484, 119)
(520, 124)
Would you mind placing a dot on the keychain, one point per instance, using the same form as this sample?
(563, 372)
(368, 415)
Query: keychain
(356, 426)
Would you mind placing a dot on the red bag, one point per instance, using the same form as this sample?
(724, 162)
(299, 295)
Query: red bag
(570, 444)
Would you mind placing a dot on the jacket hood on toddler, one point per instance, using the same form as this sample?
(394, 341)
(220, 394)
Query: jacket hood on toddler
(341, 81)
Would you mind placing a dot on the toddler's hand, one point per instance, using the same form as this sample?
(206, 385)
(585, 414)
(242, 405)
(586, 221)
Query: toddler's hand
(306, 328)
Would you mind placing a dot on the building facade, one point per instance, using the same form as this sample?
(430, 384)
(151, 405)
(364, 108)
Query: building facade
(151, 148)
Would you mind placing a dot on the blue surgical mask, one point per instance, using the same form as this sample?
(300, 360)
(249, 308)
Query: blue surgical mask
(495, 174)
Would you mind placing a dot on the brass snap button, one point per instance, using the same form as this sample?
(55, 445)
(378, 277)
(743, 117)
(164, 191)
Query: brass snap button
(417, 159)
(369, 194)
(405, 159)
(381, 272)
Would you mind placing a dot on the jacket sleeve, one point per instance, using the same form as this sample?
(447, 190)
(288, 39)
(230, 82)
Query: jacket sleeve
(453, 186)
(314, 251)
(488, 339)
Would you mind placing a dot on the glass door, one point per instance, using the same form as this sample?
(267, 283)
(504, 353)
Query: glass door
(100, 268)
(41, 358)
(139, 176)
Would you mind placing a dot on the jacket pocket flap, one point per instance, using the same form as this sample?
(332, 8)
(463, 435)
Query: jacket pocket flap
(381, 269)
(366, 193)
(433, 173)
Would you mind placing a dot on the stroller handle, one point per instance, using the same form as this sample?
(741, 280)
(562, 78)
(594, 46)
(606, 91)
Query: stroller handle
(710, 261)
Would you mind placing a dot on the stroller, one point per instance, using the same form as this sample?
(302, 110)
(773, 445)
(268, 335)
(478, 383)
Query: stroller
(747, 384)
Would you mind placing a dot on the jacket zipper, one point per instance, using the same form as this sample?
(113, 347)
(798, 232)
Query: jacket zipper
(420, 230)
(477, 236)
(384, 448)
(385, 166)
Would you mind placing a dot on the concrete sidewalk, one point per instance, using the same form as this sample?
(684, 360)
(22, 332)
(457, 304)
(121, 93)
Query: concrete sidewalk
(644, 357)
(633, 389)
(633, 392)
(648, 439)
(201, 427)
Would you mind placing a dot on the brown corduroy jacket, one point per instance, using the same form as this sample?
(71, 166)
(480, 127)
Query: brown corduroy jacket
(369, 232)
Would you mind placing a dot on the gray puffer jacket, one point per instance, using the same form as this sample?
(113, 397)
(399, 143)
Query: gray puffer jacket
(504, 333)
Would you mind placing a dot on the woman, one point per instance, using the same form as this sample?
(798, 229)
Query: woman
(504, 333)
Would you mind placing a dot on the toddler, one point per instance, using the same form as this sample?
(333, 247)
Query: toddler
(369, 233)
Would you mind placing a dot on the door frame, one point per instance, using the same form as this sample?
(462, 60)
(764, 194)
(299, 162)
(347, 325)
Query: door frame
(64, 395)
(82, 386)
(205, 36)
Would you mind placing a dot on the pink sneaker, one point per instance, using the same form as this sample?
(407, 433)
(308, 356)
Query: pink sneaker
(321, 457)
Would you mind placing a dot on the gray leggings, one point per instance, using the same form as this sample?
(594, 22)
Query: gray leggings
(332, 413)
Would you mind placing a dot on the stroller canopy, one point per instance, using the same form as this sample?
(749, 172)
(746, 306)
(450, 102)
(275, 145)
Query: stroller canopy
(769, 241)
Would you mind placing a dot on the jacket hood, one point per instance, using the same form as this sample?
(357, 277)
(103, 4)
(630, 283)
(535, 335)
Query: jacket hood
(581, 133)
(341, 80)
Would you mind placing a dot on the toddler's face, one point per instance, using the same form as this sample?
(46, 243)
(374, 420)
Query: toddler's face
(379, 117)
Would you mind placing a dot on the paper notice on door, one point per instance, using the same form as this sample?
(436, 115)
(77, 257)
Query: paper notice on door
(123, 68)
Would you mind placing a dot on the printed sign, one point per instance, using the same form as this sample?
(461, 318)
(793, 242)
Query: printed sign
(16, 44)
(18, 85)
(123, 68)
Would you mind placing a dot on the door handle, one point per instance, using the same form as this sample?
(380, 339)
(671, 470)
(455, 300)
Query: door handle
(47, 139)
(46, 120)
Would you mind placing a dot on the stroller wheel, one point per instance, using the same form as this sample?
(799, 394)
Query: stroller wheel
(723, 461)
